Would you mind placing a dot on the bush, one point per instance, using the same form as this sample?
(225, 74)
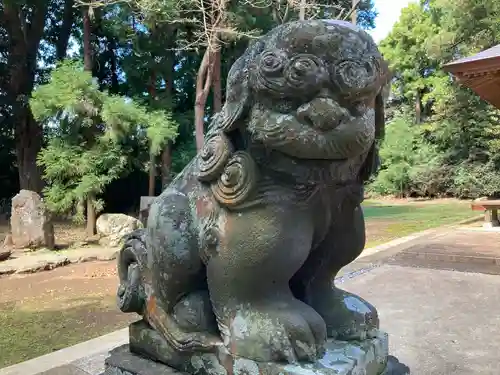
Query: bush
(410, 165)
(476, 180)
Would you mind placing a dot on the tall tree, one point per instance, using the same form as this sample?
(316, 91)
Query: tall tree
(24, 22)
(453, 121)
(90, 134)
(27, 25)
(89, 148)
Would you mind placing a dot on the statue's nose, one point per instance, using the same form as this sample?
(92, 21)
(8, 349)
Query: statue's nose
(322, 113)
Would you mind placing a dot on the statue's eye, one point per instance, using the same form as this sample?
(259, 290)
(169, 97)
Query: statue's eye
(305, 74)
(353, 77)
(304, 70)
(272, 62)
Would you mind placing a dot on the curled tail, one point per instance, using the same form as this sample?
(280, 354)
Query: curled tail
(132, 266)
(132, 261)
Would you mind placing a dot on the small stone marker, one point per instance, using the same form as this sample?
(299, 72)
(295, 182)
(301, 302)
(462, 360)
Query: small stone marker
(30, 222)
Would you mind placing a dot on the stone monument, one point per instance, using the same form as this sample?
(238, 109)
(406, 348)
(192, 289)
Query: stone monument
(234, 272)
(30, 222)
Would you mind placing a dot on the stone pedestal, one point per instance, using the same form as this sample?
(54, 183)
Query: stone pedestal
(368, 357)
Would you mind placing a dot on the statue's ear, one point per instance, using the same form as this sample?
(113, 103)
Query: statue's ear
(372, 161)
(238, 95)
(379, 117)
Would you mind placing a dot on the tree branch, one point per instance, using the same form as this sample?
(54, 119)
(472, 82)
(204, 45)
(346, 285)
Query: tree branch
(353, 9)
(65, 30)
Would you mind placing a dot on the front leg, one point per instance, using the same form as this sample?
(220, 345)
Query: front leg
(259, 318)
(347, 316)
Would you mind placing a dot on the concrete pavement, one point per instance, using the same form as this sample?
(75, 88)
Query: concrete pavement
(439, 322)
(81, 359)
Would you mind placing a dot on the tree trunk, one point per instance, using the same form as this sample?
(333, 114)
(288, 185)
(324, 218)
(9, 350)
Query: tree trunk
(91, 216)
(203, 83)
(65, 30)
(166, 166)
(152, 157)
(25, 35)
(302, 10)
(354, 13)
(418, 107)
(87, 65)
(217, 85)
(166, 155)
(29, 135)
(152, 174)
(115, 86)
(87, 47)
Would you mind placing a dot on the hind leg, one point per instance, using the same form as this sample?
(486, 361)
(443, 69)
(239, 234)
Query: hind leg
(177, 275)
(258, 316)
(347, 316)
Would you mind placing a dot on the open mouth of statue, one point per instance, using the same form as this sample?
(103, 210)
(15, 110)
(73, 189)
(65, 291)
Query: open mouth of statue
(318, 130)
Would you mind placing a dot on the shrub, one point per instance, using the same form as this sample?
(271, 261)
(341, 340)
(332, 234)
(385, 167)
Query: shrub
(410, 165)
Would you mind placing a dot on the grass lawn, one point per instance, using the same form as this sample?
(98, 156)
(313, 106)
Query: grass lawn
(387, 220)
(47, 311)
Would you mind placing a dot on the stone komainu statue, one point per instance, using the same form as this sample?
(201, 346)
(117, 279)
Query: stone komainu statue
(240, 251)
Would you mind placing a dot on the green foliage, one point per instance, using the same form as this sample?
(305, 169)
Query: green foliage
(459, 126)
(87, 151)
(75, 174)
(476, 180)
(410, 164)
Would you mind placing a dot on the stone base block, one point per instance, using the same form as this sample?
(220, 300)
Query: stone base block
(369, 357)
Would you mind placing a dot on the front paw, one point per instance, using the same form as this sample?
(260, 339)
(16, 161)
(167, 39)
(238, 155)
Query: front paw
(275, 332)
(352, 318)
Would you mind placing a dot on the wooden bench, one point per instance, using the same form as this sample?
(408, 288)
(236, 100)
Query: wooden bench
(490, 208)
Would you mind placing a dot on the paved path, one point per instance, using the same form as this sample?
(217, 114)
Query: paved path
(437, 295)
(439, 322)
(82, 359)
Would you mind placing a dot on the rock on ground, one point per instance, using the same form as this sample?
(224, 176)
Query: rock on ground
(6, 249)
(112, 227)
(4, 253)
(30, 222)
(44, 260)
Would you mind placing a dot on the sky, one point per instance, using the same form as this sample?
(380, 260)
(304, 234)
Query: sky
(388, 15)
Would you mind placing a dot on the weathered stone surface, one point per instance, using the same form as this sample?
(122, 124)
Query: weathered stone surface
(89, 253)
(44, 260)
(112, 228)
(6, 249)
(144, 205)
(236, 265)
(7, 242)
(368, 357)
(122, 362)
(5, 253)
(64, 370)
(39, 261)
(7, 268)
(30, 222)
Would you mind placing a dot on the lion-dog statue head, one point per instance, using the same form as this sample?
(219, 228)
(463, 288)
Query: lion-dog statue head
(305, 101)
